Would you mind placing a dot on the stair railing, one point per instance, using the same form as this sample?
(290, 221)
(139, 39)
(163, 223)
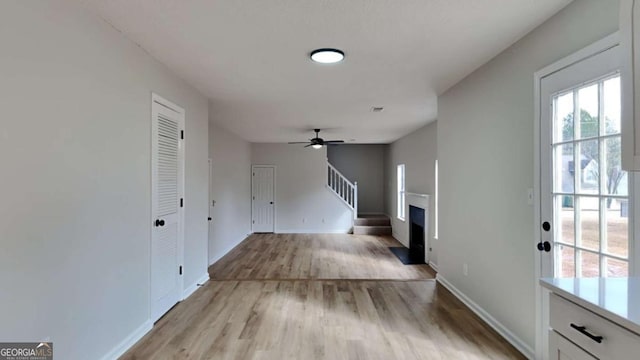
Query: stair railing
(343, 188)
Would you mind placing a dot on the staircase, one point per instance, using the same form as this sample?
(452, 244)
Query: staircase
(348, 193)
(343, 188)
(372, 225)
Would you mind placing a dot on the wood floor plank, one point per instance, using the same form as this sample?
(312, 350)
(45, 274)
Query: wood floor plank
(320, 297)
(323, 256)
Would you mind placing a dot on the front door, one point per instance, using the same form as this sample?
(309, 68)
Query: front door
(263, 202)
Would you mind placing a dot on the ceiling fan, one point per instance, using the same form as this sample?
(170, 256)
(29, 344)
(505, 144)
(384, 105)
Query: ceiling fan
(317, 142)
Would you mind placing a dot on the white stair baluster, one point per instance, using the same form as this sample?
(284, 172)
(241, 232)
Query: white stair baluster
(343, 188)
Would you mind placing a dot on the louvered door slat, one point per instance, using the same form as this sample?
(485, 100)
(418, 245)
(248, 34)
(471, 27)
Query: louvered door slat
(168, 137)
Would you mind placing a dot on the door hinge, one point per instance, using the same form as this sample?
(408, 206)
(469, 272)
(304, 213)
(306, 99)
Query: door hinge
(182, 134)
(254, 198)
(254, 174)
(254, 221)
(180, 270)
(181, 202)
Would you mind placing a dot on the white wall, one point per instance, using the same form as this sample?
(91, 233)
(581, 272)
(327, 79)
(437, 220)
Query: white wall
(418, 151)
(230, 188)
(75, 149)
(485, 150)
(364, 164)
(303, 202)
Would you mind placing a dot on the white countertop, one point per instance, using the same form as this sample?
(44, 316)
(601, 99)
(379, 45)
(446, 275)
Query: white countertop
(617, 299)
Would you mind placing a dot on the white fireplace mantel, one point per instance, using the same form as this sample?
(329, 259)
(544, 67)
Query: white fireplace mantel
(418, 200)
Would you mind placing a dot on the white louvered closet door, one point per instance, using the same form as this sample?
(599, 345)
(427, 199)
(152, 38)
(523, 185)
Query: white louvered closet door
(167, 154)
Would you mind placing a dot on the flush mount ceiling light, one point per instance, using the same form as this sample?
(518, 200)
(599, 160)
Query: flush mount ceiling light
(327, 56)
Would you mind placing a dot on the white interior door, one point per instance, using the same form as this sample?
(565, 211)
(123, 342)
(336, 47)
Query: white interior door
(211, 205)
(263, 198)
(167, 156)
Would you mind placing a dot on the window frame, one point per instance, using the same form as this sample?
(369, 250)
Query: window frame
(435, 201)
(401, 192)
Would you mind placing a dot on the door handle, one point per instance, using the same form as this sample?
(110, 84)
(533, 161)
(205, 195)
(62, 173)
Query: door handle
(159, 222)
(583, 331)
(544, 246)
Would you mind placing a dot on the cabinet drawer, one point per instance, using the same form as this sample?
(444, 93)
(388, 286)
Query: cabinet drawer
(584, 328)
(562, 349)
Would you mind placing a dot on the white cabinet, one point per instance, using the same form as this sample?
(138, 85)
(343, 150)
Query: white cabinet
(563, 349)
(577, 333)
(630, 80)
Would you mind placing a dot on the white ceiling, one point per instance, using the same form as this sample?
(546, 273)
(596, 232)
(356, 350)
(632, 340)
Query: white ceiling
(250, 57)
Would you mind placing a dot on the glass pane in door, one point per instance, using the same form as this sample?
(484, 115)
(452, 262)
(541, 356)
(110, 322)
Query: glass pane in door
(616, 220)
(589, 264)
(588, 220)
(565, 219)
(589, 106)
(567, 265)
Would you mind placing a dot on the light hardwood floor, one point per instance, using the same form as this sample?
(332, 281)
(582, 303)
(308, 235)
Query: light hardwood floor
(278, 316)
(316, 256)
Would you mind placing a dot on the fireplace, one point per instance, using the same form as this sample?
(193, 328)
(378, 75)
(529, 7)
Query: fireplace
(416, 234)
(417, 224)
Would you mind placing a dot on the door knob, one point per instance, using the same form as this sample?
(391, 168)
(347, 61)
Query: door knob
(271, 202)
(546, 226)
(159, 222)
(544, 246)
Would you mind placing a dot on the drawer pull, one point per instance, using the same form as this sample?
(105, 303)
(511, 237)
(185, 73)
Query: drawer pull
(583, 331)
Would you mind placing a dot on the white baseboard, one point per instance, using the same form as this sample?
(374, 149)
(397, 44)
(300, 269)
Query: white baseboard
(525, 349)
(129, 341)
(312, 231)
(193, 287)
(433, 265)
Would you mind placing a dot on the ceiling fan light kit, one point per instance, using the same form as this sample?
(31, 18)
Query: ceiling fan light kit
(318, 142)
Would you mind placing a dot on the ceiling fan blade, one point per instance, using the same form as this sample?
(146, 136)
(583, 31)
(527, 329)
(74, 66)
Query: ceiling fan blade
(298, 142)
(334, 141)
(309, 145)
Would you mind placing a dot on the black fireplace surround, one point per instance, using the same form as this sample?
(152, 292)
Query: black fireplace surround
(416, 234)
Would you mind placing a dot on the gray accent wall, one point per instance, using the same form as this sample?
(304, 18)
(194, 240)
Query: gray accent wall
(364, 164)
(230, 188)
(486, 154)
(75, 149)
